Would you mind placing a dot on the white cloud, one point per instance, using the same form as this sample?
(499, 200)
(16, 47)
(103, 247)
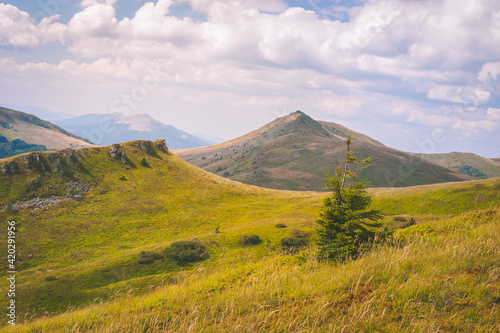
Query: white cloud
(16, 27)
(395, 61)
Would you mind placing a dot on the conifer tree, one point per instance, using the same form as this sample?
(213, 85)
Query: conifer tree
(345, 222)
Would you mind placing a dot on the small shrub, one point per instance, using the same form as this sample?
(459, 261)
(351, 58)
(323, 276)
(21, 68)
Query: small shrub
(280, 225)
(293, 244)
(251, 239)
(75, 192)
(144, 163)
(186, 251)
(300, 233)
(50, 278)
(122, 178)
(148, 257)
(399, 219)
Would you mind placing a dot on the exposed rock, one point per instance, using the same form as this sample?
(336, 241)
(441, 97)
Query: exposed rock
(34, 161)
(256, 174)
(145, 146)
(71, 157)
(10, 168)
(72, 187)
(33, 185)
(160, 145)
(38, 203)
(118, 153)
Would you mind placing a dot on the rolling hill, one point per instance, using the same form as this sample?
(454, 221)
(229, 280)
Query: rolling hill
(22, 132)
(92, 226)
(468, 163)
(295, 152)
(107, 129)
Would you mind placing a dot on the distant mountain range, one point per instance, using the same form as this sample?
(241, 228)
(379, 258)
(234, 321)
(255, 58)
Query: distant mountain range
(22, 132)
(106, 129)
(295, 152)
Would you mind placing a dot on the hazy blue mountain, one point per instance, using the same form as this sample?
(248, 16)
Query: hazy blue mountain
(106, 129)
(42, 113)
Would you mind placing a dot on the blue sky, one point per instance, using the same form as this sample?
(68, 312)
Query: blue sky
(420, 76)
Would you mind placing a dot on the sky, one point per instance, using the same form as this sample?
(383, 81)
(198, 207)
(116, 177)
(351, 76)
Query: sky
(417, 75)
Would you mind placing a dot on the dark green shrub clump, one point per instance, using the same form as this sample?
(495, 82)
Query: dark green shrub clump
(251, 239)
(280, 225)
(399, 219)
(186, 251)
(144, 163)
(148, 257)
(293, 244)
(300, 233)
(50, 278)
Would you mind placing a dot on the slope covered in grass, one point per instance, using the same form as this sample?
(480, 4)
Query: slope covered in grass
(33, 130)
(295, 152)
(88, 251)
(441, 276)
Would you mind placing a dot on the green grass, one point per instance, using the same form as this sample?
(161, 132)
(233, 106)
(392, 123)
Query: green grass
(443, 278)
(442, 272)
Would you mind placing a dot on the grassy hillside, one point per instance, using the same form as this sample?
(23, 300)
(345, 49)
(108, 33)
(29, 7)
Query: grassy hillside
(295, 152)
(35, 131)
(81, 259)
(439, 277)
(472, 164)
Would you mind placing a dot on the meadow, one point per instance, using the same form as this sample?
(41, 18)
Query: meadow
(85, 273)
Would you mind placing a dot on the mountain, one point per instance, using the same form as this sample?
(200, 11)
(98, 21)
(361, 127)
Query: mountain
(106, 129)
(466, 163)
(295, 152)
(22, 132)
(94, 230)
(39, 112)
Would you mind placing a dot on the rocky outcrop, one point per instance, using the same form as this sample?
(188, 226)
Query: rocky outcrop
(145, 146)
(37, 203)
(71, 157)
(118, 153)
(34, 161)
(75, 188)
(160, 145)
(10, 168)
(74, 191)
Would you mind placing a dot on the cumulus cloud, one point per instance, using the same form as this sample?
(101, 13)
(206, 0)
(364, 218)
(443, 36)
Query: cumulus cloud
(16, 27)
(394, 60)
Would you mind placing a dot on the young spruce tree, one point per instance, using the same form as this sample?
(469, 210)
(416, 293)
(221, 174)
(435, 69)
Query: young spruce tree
(345, 221)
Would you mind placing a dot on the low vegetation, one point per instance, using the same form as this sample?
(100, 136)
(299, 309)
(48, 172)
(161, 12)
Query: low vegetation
(142, 256)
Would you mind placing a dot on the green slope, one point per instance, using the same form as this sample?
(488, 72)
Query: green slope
(85, 251)
(295, 152)
(472, 164)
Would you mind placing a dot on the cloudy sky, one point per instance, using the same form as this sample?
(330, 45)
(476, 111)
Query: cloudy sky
(419, 75)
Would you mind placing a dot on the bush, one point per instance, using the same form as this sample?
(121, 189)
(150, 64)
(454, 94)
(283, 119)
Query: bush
(293, 244)
(148, 257)
(300, 233)
(186, 251)
(251, 239)
(280, 225)
(144, 163)
(399, 219)
(50, 278)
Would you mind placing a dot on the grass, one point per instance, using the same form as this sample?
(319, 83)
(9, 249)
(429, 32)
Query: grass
(441, 274)
(445, 278)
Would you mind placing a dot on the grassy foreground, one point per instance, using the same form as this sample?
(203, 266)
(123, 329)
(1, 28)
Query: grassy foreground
(442, 274)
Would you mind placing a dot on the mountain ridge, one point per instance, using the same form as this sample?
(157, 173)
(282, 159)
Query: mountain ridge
(20, 127)
(295, 152)
(106, 129)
